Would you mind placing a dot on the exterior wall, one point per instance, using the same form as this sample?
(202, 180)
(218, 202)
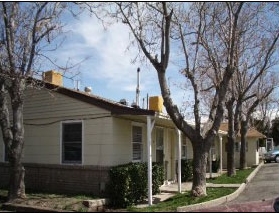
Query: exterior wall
(107, 141)
(44, 111)
(43, 115)
(252, 155)
(99, 143)
(68, 179)
(190, 153)
(121, 151)
(44, 104)
(42, 144)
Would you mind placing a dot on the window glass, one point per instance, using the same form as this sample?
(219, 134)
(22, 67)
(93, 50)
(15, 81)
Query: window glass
(184, 147)
(72, 142)
(137, 142)
(6, 154)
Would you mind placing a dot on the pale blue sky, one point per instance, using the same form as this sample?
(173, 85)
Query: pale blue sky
(108, 68)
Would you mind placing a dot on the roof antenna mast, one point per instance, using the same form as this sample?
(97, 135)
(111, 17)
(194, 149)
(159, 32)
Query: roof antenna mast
(137, 90)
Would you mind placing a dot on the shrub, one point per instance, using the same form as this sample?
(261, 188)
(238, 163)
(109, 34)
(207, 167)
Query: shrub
(157, 177)
(137, 173)
(186, 170)
(118, 187)
(128, 183)
(215, 165)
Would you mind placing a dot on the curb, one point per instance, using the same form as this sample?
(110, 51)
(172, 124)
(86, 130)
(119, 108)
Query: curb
(220, 200)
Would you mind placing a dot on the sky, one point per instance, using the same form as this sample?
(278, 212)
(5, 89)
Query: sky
(106, 63)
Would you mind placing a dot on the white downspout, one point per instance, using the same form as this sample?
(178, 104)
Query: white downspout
(221, 154)
(150, 126)
(210, 163)
(179, 160)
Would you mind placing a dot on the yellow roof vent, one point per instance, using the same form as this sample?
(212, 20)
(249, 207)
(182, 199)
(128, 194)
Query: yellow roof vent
(156, 103)
(53, 77)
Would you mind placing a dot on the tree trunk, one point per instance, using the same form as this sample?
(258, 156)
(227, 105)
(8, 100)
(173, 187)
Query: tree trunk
(17, 185)
(17, 171)
(13, 136)
(230, 157)
(243, 132)
(231, 141)
(200, 149)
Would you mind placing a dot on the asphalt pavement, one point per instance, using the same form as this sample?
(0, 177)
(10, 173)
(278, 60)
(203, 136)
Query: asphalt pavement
(259, 195)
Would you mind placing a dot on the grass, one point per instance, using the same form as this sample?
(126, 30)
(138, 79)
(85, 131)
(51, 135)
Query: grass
(171, 204)
(52, 201)
(240, 177)
(185, 199)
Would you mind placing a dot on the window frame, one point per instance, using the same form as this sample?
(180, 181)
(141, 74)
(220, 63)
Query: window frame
(140, 143)
(5, 155)
(82, 143)
(184, 144)
(161, 130)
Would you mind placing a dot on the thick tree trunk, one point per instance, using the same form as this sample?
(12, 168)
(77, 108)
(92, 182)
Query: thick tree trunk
(243, 132)
(17, 185)
(200, 149)
(13, 136)
(231, 141)
(230, 157)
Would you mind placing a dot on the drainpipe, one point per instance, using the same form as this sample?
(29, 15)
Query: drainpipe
(179, 160)
(150, 125)
(221, 153)
(210, 164)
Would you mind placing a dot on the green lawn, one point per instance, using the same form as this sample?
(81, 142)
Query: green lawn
(185, 199)
(240, 177)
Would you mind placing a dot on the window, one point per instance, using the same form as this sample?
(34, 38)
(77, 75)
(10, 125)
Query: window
(72, 142)
(160, 145)
(137, 143)
(5, 153)
(213, 152)
(184, 148)
(237, 146)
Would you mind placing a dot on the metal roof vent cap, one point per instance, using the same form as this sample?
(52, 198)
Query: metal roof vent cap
(134, 105)
(123, 101)
(88, 90)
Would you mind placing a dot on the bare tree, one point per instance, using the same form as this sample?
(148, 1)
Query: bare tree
(205, 43)
(255, 57)
(26, 30)
(264, 88)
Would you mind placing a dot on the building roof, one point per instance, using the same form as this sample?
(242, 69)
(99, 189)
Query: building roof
(252, 132)
(114, 107)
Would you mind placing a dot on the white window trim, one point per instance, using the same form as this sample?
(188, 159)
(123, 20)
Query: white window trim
(161, 128)
(82, 141)
(139, 125)
(184, 157)
(3, 152)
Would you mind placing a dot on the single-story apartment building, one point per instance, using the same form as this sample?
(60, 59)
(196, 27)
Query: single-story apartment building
(73, 138)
